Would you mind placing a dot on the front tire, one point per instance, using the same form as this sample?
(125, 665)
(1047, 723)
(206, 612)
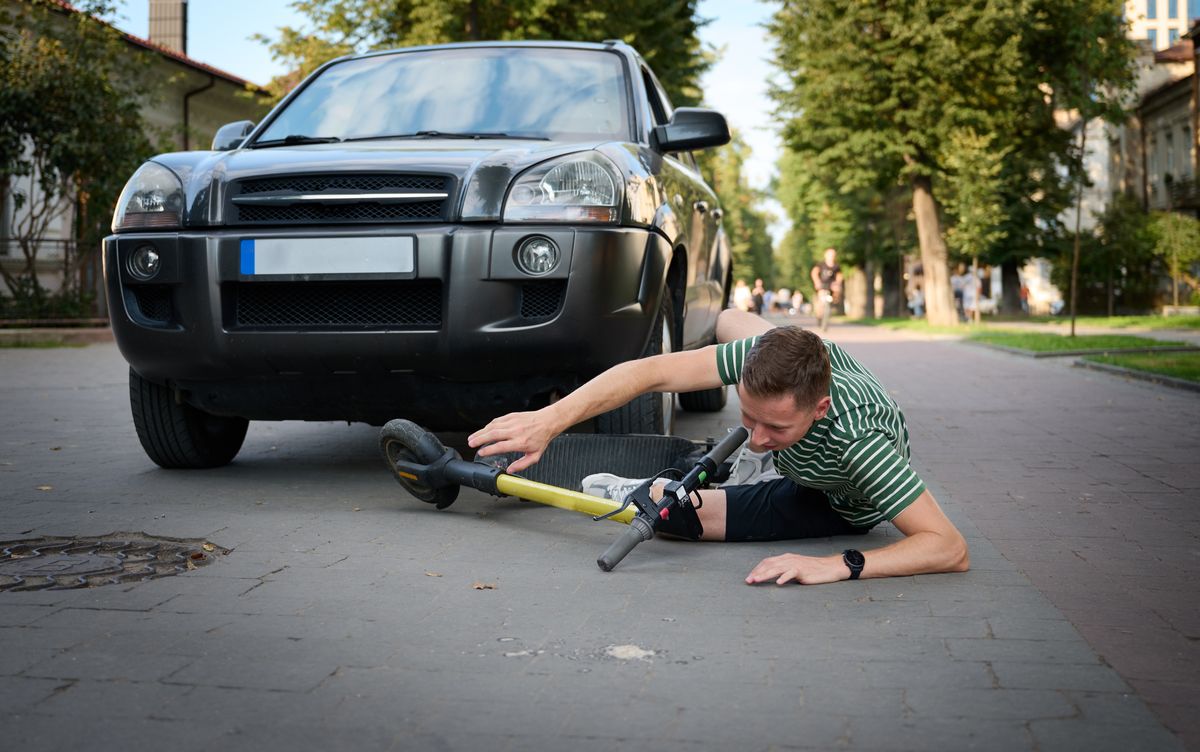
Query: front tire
(705, 400)
(176, 435)
(652, 413)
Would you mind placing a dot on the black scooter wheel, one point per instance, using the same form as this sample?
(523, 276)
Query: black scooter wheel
(405, 441)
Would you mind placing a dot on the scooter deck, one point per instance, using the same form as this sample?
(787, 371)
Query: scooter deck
(569, 458)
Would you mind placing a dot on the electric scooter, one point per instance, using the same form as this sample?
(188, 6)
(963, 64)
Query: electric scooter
(435, 474)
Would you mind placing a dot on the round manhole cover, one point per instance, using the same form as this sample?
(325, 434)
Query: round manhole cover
(64, 563)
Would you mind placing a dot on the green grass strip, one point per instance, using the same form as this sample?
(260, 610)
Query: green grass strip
(1048, 342)
(1180, 365)
(1124, 322)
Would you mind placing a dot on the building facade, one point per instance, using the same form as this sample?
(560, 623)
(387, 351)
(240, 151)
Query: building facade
(1160, 22)
(193, 100)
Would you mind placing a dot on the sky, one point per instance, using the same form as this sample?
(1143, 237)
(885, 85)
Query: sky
(219, 34)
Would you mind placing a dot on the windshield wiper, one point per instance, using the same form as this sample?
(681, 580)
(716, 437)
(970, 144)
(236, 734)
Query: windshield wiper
(445, 134)
(294, 140)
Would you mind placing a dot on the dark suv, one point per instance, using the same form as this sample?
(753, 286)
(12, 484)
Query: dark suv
(441, 233)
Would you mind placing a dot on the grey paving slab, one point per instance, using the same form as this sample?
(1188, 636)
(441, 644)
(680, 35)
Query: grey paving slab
(345, 616)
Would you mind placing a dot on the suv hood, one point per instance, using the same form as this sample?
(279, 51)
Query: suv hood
(482, 169)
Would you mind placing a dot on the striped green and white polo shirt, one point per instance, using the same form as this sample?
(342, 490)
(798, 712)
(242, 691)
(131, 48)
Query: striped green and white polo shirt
(858, 453)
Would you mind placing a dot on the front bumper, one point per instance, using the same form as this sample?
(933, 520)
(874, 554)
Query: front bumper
(465, 336)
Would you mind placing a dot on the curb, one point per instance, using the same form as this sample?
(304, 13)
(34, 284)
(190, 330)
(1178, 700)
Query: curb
(1077, 353)
(55, 336)
(1129, 373)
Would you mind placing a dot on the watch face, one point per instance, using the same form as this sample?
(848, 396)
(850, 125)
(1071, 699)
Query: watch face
(854, 558)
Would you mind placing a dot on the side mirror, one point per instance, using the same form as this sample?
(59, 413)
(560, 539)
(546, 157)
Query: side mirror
(692, 128)
(231, 135)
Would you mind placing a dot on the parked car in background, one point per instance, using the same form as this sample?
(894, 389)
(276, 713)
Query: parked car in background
(442, 233)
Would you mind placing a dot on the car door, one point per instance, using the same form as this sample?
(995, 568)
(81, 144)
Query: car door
(694, 203)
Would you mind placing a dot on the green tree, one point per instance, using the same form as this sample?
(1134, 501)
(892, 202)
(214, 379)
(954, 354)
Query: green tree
(70, 126)
(1118, 270)
(666, 33)
(1177, 243)
(820, 218)
(745, 221)
(883, 92)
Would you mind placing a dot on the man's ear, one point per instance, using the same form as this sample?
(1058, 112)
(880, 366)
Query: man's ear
(823, 405)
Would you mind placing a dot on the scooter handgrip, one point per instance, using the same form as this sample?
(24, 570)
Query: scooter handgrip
(727, 445)
(639, 530)
(708, 464)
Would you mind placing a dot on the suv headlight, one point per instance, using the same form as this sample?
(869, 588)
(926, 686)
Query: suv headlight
(576, 188)
(152, 199)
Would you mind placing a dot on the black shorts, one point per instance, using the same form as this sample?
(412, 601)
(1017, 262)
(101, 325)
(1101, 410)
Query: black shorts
(781, 510)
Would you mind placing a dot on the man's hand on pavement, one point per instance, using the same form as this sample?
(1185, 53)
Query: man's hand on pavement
(804, 570)
(528, 433)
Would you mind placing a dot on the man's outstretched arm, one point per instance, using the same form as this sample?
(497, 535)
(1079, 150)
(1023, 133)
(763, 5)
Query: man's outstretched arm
(931, 544)
(530, 432)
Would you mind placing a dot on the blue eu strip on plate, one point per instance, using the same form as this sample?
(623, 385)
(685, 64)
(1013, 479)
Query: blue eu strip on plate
(247, 266)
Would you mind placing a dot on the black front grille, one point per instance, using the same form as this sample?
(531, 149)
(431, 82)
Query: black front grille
(317, 183)
(153, 302)
(364, 212)
(277, 191)
(541, 300)
(335, 305)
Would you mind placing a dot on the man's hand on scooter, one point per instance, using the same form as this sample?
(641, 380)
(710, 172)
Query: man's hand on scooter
(528, 433)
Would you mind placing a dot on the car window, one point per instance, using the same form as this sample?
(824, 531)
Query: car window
(549, 93)
(659, 106)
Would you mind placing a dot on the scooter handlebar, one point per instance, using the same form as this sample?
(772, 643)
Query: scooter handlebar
(709, 463)
(638, 531)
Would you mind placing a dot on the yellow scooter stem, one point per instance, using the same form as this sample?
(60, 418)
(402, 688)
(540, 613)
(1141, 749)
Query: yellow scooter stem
(512, 485)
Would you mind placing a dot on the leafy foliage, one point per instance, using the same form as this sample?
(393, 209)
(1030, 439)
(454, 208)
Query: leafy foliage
(745, 222)
(665, 33)
(1118, 270)
(954, 100)
(1177, 243)
(70, 121)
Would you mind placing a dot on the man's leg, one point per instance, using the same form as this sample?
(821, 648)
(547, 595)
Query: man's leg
(771, 510)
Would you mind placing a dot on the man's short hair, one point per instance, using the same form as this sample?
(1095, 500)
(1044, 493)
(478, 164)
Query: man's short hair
(788, 360)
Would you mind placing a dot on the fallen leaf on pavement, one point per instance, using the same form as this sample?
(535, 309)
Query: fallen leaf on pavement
(484, 586)
(209, 547)
(45, 488)
(433, 574)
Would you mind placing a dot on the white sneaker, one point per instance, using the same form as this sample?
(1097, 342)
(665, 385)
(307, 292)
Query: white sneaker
(609, 486)
(752, 467)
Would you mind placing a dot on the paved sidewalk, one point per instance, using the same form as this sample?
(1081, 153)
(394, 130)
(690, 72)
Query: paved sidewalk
(346, 616)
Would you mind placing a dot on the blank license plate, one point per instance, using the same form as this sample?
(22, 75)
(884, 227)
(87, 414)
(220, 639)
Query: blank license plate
(305, 256)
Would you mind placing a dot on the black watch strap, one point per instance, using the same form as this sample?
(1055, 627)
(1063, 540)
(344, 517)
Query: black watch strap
(854, 561)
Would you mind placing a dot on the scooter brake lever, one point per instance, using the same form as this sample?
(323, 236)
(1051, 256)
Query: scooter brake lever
(624, 505)
(640, 497)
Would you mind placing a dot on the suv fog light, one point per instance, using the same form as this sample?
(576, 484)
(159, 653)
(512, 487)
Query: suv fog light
(144, 262)
(537, 255)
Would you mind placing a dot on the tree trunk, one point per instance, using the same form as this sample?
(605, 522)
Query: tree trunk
(939, 300)
(893, 303)
(1010, 285)
(1078, 221)
(869, 273)
(473, 32)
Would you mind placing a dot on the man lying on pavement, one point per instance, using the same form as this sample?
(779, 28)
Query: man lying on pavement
(837, 438)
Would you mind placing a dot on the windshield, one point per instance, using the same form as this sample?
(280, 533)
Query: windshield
(560, 94)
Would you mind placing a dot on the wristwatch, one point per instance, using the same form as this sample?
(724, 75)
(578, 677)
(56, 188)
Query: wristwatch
(855, 561)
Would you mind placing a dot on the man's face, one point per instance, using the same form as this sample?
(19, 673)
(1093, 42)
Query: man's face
(776, 423)
(830, 257)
